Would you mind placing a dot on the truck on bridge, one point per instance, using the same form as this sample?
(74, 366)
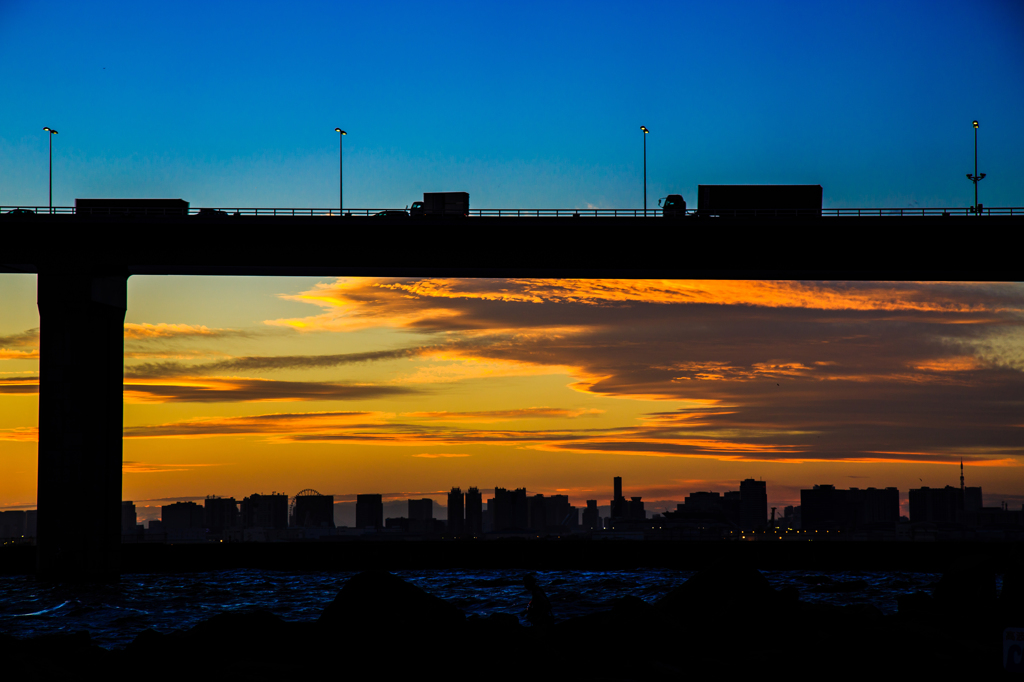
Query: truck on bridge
(441, 203)
(737, 201)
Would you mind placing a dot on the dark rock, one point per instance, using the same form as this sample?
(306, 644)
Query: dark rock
(917, 605)
(718, 588)
(374, 601)
(969, 586)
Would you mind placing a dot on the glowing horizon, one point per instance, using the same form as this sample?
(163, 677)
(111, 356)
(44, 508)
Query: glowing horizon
(360, 385)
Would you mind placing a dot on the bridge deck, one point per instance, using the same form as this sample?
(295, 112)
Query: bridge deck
(887, 247)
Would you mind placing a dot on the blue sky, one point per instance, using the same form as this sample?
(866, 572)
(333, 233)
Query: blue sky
(525, 105)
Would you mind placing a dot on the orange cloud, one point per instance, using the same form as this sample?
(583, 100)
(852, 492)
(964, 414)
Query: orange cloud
(19, 385)
(429, 456)
(502, 415)
(129, 467)
(24, 434)
(355, 302)
(234, 389)
(6, 354)
(163, 330)
(257, 425)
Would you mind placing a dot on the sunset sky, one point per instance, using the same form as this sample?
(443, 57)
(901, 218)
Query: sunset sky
(408, 387)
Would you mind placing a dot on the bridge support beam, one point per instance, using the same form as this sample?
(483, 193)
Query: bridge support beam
(81, 370)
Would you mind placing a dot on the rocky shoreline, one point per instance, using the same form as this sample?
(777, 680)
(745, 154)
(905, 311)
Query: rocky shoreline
(725, 619)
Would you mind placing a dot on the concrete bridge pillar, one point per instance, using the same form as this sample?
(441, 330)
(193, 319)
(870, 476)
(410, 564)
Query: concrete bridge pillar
(81, 370)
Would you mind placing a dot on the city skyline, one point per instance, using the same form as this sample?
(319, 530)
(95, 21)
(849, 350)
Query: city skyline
(408, 387)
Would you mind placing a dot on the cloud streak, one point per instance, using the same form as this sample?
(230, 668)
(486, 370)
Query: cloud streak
(230, 389)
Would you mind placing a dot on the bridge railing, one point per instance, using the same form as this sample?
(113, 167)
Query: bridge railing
(517, 212)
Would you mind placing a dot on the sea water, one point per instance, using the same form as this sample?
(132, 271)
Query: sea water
(115, 613)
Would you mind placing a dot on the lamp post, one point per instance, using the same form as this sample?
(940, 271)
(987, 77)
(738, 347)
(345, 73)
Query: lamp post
(644, 128)
(52, 133)
(341, 168)
(976, 177)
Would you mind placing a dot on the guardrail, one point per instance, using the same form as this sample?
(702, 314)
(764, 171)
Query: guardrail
(518, 212)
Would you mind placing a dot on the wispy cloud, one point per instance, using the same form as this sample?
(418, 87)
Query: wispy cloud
(130, 467)
(264, 363)
(230, 389)
(19, 385)
(165, 330)
(23, 434)
(29, 337)
(438, 455)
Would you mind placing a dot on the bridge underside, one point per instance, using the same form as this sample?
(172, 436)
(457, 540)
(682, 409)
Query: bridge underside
(83, 265)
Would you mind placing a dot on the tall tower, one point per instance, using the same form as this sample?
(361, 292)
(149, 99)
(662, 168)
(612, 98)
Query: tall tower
(618, 510)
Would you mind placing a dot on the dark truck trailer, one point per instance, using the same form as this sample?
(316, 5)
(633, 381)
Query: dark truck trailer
(149, 207)
(759, 200)
(442, 203)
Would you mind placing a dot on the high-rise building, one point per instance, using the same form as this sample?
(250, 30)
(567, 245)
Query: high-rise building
(421, 516)
(825, 507)
(754, 504)
(12, 524)
(937, 505)
(619, 508)
(182, 516)
(313, 511)
(510, 510)
(220, 514)
(537, 520)
(474, 513)
(456, 514)
(265, 511)
(591, 516)
(369, 511)
(128, 518)
(561, 516)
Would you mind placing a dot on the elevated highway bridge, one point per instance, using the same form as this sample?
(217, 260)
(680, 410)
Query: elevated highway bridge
(83, 263)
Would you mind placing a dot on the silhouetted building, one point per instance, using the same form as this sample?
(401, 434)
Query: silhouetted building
(825, 507)
(509, 512)
(456, 512)
(400, 523)
(313, 510)
(474, 513)
(942, 505)
(265, 511)
(591, 516)
(562, 517)
(635, 509)
(619, 508)
(220, 514)
(182, 516)
(12, 524)
(369, 511)
(129, 521)
(753, 504)
(704, 502)
(537, 518)
(421, 516)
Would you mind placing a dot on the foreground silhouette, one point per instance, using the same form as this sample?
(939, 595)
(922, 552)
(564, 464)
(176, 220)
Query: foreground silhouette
(725, 619)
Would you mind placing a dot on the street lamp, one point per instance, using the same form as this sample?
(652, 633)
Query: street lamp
(341, 176)
(644, 128)
(52, 133)
(976, 177)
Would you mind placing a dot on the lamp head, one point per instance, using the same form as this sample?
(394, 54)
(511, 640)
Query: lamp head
(50, 130)
(644, 128)
(975, 124)
(339, 130)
